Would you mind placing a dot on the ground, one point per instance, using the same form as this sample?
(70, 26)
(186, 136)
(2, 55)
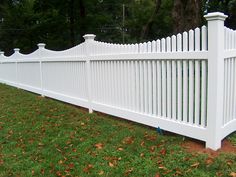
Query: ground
(44, 137)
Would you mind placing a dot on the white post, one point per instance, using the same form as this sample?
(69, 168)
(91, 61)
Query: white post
(215, 78)
(41, 46)
(1, 57)
(89, 38)
(17, 50)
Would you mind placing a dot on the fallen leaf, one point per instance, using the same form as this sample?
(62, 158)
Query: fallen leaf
(162, 167)
(209, 161)
(142, 143)
(142, 154)
(111, 164)
(1, 162)
(232, 174)
(120, 149)
(60, 162)
(82, 123)
(101, 172)
(71, 165)
(99, 145)
(42, 171)
(229, 162)
(157, 175)
(163, 151)
(152, 148)
(87, 168)
(128, 140)
(58, 173)
(32, 172)
(195, 165)
(219, 174)
(40, 144)
(128, 171)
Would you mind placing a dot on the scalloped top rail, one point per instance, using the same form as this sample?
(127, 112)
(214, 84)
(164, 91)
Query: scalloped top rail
(193, 40)
(230, 39)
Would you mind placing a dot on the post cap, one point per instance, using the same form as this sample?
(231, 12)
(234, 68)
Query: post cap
(41, 45)
(89, 37)
(16, 50)
(215, 16)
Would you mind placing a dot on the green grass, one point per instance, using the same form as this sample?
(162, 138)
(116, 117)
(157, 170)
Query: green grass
(44, 137)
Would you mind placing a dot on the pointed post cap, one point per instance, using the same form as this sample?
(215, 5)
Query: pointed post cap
(89, 37)
(17, 50)
(215, 16)
(41, 45)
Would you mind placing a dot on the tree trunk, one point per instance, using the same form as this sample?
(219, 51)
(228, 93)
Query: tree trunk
(148, 25)
(72, 21)
(186, 15)
(82, 15)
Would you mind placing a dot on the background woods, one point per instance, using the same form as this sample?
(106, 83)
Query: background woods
(62, 23)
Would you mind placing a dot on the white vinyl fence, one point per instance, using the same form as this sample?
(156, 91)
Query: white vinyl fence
(185, 84)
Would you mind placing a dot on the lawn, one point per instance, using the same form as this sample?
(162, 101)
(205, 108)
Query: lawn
(44, 137)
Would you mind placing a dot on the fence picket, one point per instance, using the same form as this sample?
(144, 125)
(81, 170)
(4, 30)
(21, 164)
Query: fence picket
(148, 82)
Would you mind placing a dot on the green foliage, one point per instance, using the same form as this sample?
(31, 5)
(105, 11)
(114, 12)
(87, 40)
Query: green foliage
(62, 23)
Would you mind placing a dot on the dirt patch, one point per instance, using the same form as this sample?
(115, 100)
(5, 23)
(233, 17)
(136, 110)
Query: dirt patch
(199, 147)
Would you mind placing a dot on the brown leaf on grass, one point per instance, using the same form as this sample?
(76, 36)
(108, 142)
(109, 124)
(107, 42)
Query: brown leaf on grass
(31, 141)
(58, 149)
(178, 172)
(58, 173)
(229, 162)
(60, 162)
(42, 171)
(157, 175)
(40, 144)
(219, 173)
(127, 172)
(101, 173)
(232, 174)
(99, 145)
(111, 164)
(128, 140)
(151, 137)
(195, 165)
(152, 148)
(71, 165)
(162, 167)
(120, 149)
(88, 168)
(209, 161)
(142, 143)
(82, 123)
(32, 172)
(163, 151)
(1, 162)
(141, 155)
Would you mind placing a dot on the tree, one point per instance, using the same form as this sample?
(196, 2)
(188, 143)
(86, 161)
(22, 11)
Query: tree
(187, 14)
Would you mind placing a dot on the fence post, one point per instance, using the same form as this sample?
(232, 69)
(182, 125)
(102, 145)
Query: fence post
(17, 50)
(41, 46)
(1, 57)
(215, 78)
(89, 38)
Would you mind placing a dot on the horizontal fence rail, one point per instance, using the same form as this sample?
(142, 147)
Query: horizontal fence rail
(184, 83)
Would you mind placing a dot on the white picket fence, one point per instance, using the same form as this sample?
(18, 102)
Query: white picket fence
(184, 84)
